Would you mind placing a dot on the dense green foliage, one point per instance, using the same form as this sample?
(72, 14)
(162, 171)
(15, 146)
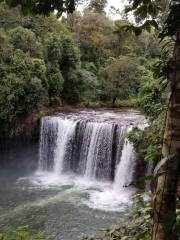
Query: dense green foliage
(153, 95)
(39, 64)
(88, 57)
(43, 7)
(148, 142)
(113, 55)
(153, 101)
(46, 62)
(20, 233)
(120, 78)
(97, 6)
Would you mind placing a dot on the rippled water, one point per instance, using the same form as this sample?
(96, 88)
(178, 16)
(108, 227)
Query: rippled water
(64, 207)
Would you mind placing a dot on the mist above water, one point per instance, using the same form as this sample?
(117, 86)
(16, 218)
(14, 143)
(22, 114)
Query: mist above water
(82, 178)
(91, 146)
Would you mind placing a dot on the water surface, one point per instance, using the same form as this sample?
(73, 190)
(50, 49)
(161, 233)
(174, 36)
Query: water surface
(66, 205)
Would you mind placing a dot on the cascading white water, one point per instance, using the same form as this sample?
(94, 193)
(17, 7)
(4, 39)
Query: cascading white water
(65, 133)
(93, 152)
(94, 148)
(48, 136)
(125, 168)
(100, 149)
(121, 132)
(89, 150)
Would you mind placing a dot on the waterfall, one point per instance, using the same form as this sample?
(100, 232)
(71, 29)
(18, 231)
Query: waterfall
(92, 148)
(64, 144)
(98, 164)
(48, 137)
(125, 168)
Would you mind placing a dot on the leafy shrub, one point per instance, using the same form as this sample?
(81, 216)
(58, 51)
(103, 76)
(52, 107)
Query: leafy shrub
(120, 78)
(53, 47)
(151, 99)
(70, 56)
(23, 85)
(55, 81)
(20, 233)
(148, 142)
(24, 39)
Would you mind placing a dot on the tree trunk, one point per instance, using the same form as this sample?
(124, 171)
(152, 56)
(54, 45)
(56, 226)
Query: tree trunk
(165, 198)
(114, 100)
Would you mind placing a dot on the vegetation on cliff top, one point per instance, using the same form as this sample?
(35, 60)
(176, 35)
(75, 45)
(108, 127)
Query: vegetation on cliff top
(47, 62)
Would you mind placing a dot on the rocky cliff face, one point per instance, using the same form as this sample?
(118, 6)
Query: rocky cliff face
(19, 141)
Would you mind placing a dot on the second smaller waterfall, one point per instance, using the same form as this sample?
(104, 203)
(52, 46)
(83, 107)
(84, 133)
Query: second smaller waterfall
(125, 168)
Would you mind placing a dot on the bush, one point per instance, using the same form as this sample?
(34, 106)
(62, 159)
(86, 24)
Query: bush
(23, 85)
(24, 39)
(151, 99)
(55, 81)
(20, 233)
(148, 142)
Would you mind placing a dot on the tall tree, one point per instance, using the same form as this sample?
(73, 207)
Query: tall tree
(168, 170)
(43, 7)
(97, 6)
(120, 76)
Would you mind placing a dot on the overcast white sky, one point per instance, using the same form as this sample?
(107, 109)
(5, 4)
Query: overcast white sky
(118, 4)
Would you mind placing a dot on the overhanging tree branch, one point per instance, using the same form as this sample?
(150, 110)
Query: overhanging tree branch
(43, 7)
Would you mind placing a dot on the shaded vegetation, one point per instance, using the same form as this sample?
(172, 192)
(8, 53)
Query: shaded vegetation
(87, 58)
(20, 233)
(46, 62)
(37, 68)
